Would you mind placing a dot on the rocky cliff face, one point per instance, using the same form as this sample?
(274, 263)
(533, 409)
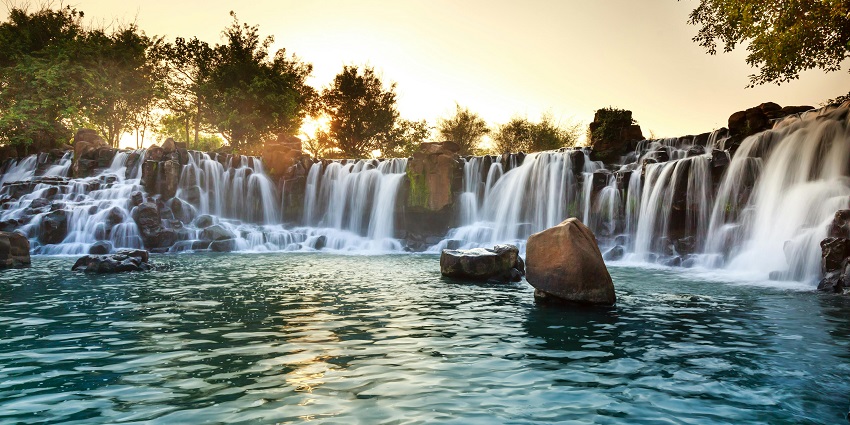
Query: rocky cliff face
(433, 178)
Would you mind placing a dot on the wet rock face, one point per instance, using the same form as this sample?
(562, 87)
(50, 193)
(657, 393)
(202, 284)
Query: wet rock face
(835, 264)
(499, 264)
(148, 220)
(124, 260)
(14, 250)
(280, 157)
(53, 227)
(564, 262)
(216, 232)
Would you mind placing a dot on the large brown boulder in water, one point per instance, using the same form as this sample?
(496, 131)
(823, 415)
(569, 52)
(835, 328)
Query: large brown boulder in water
(564, 262)
(14, 250)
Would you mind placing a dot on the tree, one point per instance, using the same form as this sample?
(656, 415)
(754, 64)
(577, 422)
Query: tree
(318, 146)
(362, 112)
(173, 126)
(514, 136)
(188, 62)
(125, 82)
(40, 94)
(783, 37)
(465, 128)
(521, 135)
(404, 138)
(251, 97)
(548, 135)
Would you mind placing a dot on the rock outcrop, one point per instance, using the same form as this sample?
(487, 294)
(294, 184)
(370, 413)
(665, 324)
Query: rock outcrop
(502, 263)
(14, 250)
(434, 176)
(564, 262)
(613, 134)
(124, 260)
(88, 149)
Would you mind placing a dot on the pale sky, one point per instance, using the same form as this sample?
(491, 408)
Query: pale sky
(503, 58)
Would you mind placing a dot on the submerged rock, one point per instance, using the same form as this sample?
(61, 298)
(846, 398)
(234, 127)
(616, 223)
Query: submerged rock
(124, 260)
(14, 250)
(499, 264)
(564, 262)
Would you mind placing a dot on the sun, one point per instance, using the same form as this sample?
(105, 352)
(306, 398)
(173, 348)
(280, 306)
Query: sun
(312, 125)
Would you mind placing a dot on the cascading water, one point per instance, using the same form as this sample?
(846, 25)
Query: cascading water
(539, 193)
(673, 201)
(83, 211)
(780, 194)
(351, 205)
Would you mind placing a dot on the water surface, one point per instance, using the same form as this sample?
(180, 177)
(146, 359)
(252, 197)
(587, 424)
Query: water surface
(295, 337)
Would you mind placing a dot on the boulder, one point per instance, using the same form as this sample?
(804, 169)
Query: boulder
(169, 146)
(14, 250)
(614, 254)
(100, 248)
(203, 221)
(170, 178)
(146, 216)
(564, 262)
(499, 264)
(835, 264)
(216, 232)
(840, 226)
(53, 227)
(223, 245)
(124, 260)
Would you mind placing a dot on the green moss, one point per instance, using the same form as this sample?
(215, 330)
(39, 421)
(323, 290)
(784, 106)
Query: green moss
(419, 194)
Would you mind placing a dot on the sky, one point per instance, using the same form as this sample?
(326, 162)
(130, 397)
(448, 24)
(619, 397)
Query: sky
(503, 58)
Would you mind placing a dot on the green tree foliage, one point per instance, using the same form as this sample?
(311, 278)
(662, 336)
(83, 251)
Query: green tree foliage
(404, 138)
(837, 100)
(521, 135)
(174, 126)
(549, 135)
(362, 112)
(249, 96)
(125, 84)
(188, 62)
(782, 37)
(465, 128)
(513, 136)
(39, 100)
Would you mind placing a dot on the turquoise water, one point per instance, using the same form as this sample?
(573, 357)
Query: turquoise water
(268, 338)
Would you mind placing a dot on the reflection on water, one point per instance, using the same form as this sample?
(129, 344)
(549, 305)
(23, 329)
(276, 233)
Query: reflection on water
(353, 339)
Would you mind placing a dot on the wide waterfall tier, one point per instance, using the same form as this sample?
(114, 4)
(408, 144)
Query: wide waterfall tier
(67, 216)
(353, 205)
(678, 202)
(507, 207)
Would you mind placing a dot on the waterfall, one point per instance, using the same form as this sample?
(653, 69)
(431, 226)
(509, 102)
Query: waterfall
(89, 210)
(780, 194)
(240, 190)
(539, 193)
(350, 205)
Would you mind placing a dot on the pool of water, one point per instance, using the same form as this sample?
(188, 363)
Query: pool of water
(296, 337)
